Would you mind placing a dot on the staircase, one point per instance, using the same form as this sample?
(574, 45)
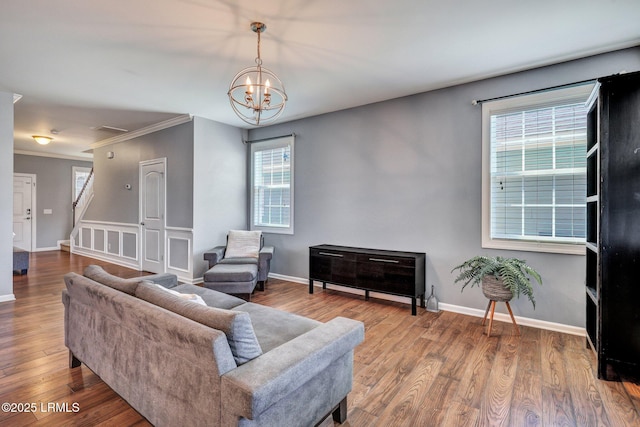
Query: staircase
(79, 207)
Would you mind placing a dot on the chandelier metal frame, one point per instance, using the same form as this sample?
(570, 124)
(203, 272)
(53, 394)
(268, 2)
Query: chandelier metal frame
(256, 94)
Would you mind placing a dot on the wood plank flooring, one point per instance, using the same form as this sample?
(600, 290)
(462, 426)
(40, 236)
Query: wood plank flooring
(434, 369)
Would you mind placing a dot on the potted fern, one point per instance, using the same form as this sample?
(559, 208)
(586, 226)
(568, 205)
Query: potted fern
(501, 278)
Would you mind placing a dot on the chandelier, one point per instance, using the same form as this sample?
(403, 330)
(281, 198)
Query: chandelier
(256, 94)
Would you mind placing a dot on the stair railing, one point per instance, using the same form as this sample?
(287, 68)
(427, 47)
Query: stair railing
(80, 205)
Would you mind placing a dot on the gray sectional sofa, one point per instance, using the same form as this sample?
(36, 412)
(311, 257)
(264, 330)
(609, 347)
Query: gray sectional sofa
(226, 363)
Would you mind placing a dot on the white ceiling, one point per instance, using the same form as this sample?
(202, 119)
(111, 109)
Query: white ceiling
(131, 63)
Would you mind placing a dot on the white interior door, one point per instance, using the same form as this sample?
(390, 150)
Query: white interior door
(23, 192)
(152, 214)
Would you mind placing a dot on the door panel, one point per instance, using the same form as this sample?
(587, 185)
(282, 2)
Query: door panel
(152, 204)
(22, 212)
(152, 240)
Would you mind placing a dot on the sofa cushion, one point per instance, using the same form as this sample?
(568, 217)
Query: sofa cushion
(243, 244)
(235, 325)
(239, 260)
(232, 273)
(211, 298)
(274, 327)
(97, 274)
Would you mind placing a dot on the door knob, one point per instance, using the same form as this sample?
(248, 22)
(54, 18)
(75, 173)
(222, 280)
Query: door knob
(142, 223)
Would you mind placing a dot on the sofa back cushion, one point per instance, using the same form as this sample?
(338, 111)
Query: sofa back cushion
(243, 244)
(235, 325)
(97, 274)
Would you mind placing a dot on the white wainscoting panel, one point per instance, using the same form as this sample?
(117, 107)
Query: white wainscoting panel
(118, 243)
(179, 247)
(108, 241)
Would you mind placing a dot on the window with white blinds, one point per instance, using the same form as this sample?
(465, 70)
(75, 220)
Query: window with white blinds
(534, 171)
(272, 185)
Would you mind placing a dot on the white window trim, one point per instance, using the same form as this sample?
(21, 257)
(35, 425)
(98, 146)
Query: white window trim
(576, 93)
(266, 145)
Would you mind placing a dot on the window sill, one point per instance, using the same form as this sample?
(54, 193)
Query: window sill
(274, 230)
(554, 248)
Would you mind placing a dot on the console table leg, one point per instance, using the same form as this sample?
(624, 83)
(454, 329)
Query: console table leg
(414, 310)
(310, 286)
(366, 295)
(324, 285)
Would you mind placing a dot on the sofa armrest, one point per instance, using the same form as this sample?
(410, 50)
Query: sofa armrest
(214, 255)
(253, 387)
(167, 280)
(264, 262)
(266, 253)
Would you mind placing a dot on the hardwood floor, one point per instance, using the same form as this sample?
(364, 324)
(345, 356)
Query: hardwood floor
(434, 369)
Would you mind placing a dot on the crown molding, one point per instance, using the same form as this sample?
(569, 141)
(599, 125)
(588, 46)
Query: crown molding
(53, 155)
(16, 97)
(178, 120)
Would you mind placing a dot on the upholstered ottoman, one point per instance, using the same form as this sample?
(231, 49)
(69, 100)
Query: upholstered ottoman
(232, 278)
(20, 260)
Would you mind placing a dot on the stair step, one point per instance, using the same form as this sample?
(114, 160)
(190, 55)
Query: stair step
(65, 246)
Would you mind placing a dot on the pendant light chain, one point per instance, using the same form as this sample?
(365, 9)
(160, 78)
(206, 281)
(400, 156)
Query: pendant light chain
(258, 59)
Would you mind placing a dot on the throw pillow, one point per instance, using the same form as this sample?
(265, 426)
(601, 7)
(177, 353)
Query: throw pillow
(187, 297)
(243, 244)
(235, 325)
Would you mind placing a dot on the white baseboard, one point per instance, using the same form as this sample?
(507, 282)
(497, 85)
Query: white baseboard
(524, 321)
(8, 297)
(53, 248)
(289, 278)
(194, 281)
(502, 317)
(111, 259)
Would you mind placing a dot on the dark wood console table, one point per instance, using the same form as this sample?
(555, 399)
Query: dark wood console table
(390, 272)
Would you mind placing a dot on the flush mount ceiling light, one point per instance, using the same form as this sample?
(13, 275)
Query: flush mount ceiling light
(256, 94)
(42, 140)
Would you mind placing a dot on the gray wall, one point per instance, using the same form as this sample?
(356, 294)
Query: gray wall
(219, 186)
(114, 203)
(206, 181)
(6, 195)
(406, 175)
(53, 178)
